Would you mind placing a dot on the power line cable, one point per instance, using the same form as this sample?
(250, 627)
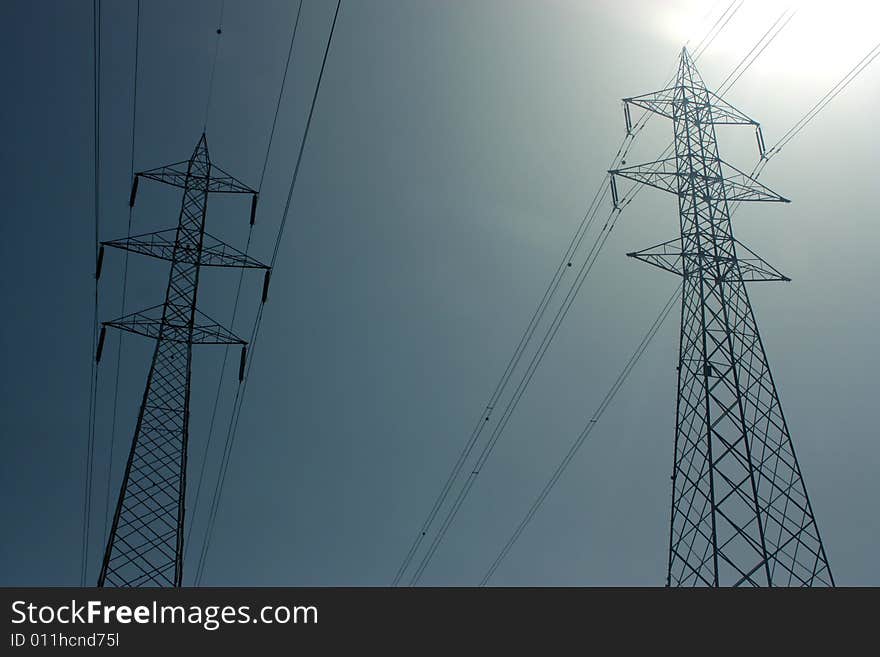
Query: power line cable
(725, 17)
(241, 390)
(714, 25)
(485, 415)
(532, 367)
(555, 282)
(564, 263)
(811, 114)
(706, 16)
(240, 280)
(736, 74)
(214, 65)
(585, 433)
(93, 379)
(842, 84)
(137, 38)
(280, 95)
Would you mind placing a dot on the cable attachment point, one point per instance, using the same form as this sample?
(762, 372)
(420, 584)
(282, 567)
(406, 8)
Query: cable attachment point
(242, 363)
(134, 190)
(760, 137)
(254, 209)
(266, 285)
(614, 198)
(100, 349)
(100, 263)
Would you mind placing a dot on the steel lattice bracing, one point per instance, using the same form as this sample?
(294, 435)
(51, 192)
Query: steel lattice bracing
(145, 546)
(740, 511)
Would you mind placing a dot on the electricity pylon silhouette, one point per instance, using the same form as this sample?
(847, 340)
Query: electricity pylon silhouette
(740, 511)
(145, 545)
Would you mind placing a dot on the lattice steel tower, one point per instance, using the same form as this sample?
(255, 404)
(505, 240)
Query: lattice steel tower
(740, 511)
(145, 545)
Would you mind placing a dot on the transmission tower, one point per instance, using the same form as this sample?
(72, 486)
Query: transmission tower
(740, 511)
(145, 545)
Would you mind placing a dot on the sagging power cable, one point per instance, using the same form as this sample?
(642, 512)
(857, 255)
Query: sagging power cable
(585, 433)
(93, 378)
(842, 84)
(214, 65)
(242, 389)
(121, 334)
(247, 247)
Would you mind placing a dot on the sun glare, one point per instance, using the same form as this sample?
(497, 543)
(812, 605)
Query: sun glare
(822, 38)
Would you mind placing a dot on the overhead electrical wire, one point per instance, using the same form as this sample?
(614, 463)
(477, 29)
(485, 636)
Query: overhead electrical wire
(214, 65)
(484, 416)
(712, 28)
(760, 46)
(526, 379)
(280, 95)
(93, 379)
(137, 39)
(241, 279)
(561, 313)
(587, 430)
(545, 343)
(842, 84)
(718, 27)
(708, 13)
(811, 114)
(565, 262)
(241, 390)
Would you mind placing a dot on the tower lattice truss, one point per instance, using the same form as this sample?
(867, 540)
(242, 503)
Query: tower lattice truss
(145, 545)
(740, 511)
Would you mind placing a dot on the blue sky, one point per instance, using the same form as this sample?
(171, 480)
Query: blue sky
(454, 149)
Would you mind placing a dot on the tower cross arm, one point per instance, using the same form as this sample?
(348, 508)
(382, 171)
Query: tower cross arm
(170, 174)
(723, 112)
(750, 267)
(221, 181)
(658, 102)
(661, 174)
(160, 244)
(740, 186)
(667, 176)
(149, 323)
(215, 178)
(663, 102)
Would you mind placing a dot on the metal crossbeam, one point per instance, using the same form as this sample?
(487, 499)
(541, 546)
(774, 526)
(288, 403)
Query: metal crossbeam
(713, 109)
(147, 323)
(182, 175)
(668, 176)
(161, 244)
(669, 257)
